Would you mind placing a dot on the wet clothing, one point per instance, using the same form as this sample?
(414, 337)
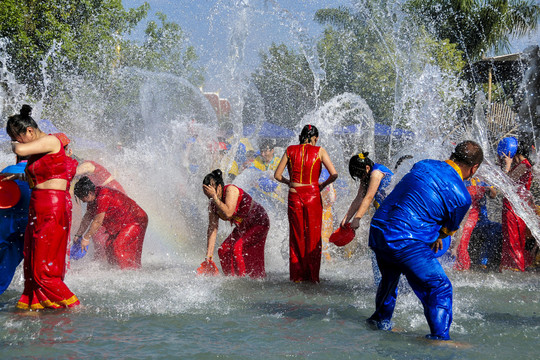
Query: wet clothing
(428, 203)
(383, 186)
(327, 227)
(45, 239)
(514, 228)
(71, 170)
(125, 223)
(305, 213)
(477, 189)
(13, 223)
(242, 253)
(45, 245)
(43, 167)
(100, 175)
(380, 195)
(304, 164)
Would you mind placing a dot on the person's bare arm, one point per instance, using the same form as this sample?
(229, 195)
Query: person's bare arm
(85, 222)
(211, 233)
(96, 223)
(85, 168)
(44, 145)
(225, 209)
(278, 174)
(374, 182)
(325, 159)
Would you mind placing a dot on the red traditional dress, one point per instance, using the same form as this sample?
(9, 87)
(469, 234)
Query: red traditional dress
(98, 177)
(514, 229)
(242, 253)
(125, 224)
(45, 240)
(477, 190)
(305, 213)
(71, 170)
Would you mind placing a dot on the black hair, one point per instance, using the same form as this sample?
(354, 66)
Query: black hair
(401, 160)
(216, 176)
(307, 133)
(468, 153)
(266, 143)
(357, 165)
(524, 149)
(17, 124)
(83, 187)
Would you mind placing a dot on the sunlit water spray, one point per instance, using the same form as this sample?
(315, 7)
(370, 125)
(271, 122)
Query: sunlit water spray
(165, 310)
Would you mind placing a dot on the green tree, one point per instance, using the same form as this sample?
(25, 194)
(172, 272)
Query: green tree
(372, 54)
(477, 26)
(85, 31)
(285, 83)
(165, 49)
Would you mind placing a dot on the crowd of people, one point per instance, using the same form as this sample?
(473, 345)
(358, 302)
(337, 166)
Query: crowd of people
(412, 225)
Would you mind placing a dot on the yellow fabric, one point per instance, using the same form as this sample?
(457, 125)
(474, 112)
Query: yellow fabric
(272, 165)
(455, 167)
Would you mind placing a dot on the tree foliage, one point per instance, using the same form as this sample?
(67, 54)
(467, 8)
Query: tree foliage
(477, 26)
(85, 31)
(285, 83)
(165, 50)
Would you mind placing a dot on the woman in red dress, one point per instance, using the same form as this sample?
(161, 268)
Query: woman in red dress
(303, 162)
(242, 253)
(122, 219)
(45, 241)
(99, 176)
(519, 169)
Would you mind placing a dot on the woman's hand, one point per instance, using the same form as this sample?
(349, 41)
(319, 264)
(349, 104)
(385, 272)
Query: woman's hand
(355, 223)
(209, 191)
(507, 161)
(84, 243)
(343, 222)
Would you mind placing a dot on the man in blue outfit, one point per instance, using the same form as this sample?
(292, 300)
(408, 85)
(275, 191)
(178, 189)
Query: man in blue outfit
(13, 223)
(427, 205)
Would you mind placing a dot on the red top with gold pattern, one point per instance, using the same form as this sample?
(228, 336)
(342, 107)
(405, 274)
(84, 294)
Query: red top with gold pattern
(304, 163)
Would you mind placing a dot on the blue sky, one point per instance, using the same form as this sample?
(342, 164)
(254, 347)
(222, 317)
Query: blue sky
(209, 24)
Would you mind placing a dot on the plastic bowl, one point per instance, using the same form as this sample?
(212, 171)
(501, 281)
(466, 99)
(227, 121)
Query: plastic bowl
(507, 146)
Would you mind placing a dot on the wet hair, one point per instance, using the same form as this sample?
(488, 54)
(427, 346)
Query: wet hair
(17, 124)
(83, 187)
(468, 153)
(216, 176)
(307, 133)
(401, 160)
(524, 149)
(357, 165)
(266, 143)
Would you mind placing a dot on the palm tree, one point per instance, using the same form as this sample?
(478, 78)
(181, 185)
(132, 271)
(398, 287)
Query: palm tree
(477, 26)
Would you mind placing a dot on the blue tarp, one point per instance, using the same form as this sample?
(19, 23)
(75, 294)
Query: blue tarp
(380, 130)
(269, 130)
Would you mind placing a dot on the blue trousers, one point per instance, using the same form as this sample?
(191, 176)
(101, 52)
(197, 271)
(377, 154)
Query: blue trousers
(427, 279)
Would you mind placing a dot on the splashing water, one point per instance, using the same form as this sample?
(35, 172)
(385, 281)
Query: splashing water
(165, 310)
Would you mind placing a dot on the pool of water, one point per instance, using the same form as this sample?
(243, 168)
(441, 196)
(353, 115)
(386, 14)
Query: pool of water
(166, 311)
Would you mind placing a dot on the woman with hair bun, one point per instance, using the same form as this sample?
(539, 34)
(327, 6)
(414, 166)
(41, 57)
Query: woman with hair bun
(519, 169)
(374, 180)
(304, 162)
(242, 253)
(45, 241)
